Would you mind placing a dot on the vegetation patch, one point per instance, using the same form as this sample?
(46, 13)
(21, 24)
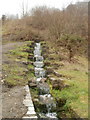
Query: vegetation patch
(77, 94)
(16, 72)
(74, 74)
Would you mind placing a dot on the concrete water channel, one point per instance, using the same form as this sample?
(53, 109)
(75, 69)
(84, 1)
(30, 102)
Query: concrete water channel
(44, 95)
(44, 90)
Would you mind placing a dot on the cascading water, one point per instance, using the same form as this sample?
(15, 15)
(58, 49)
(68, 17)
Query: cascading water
(44, 90)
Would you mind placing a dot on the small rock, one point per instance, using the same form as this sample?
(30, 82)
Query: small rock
(18, 57)
(47, 63)
(43, 88)
(60, 102)
(57, 74)
(36, 100)
(52, 79)
(25, 62)
(2, 81)
(26, 70)
(43, 80)
(49, 71)
(57, 84)
(32, 70)
(32, 85)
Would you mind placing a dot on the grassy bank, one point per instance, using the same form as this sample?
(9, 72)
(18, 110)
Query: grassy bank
(15, 71)
(75, 76)
(77, 92)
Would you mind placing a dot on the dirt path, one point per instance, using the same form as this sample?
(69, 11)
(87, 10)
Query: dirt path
(12, 102)
(7, 47)
(12, 98)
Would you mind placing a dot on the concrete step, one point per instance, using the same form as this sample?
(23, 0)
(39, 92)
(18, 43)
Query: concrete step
(31, 114)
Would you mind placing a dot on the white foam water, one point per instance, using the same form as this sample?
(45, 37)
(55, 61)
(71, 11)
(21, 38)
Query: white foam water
(45, 98)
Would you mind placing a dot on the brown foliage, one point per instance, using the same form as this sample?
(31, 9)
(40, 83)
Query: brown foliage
(52, 24)
(72, 21)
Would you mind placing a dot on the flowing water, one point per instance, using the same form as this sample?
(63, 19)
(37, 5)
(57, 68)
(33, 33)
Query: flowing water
(44, 89)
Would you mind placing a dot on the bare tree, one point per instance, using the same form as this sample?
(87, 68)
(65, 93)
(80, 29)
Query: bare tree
(24, 9)
(3, 19)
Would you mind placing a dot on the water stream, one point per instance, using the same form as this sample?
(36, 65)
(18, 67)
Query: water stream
(44, 89)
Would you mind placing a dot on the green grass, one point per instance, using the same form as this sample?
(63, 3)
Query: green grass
(76, 76)
(19, 52)
(16, 74)
(77, 94)
(34, 92)
(30, 66)
(15, 71)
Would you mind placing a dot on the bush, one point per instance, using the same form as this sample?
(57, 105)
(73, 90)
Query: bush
(73, 43)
